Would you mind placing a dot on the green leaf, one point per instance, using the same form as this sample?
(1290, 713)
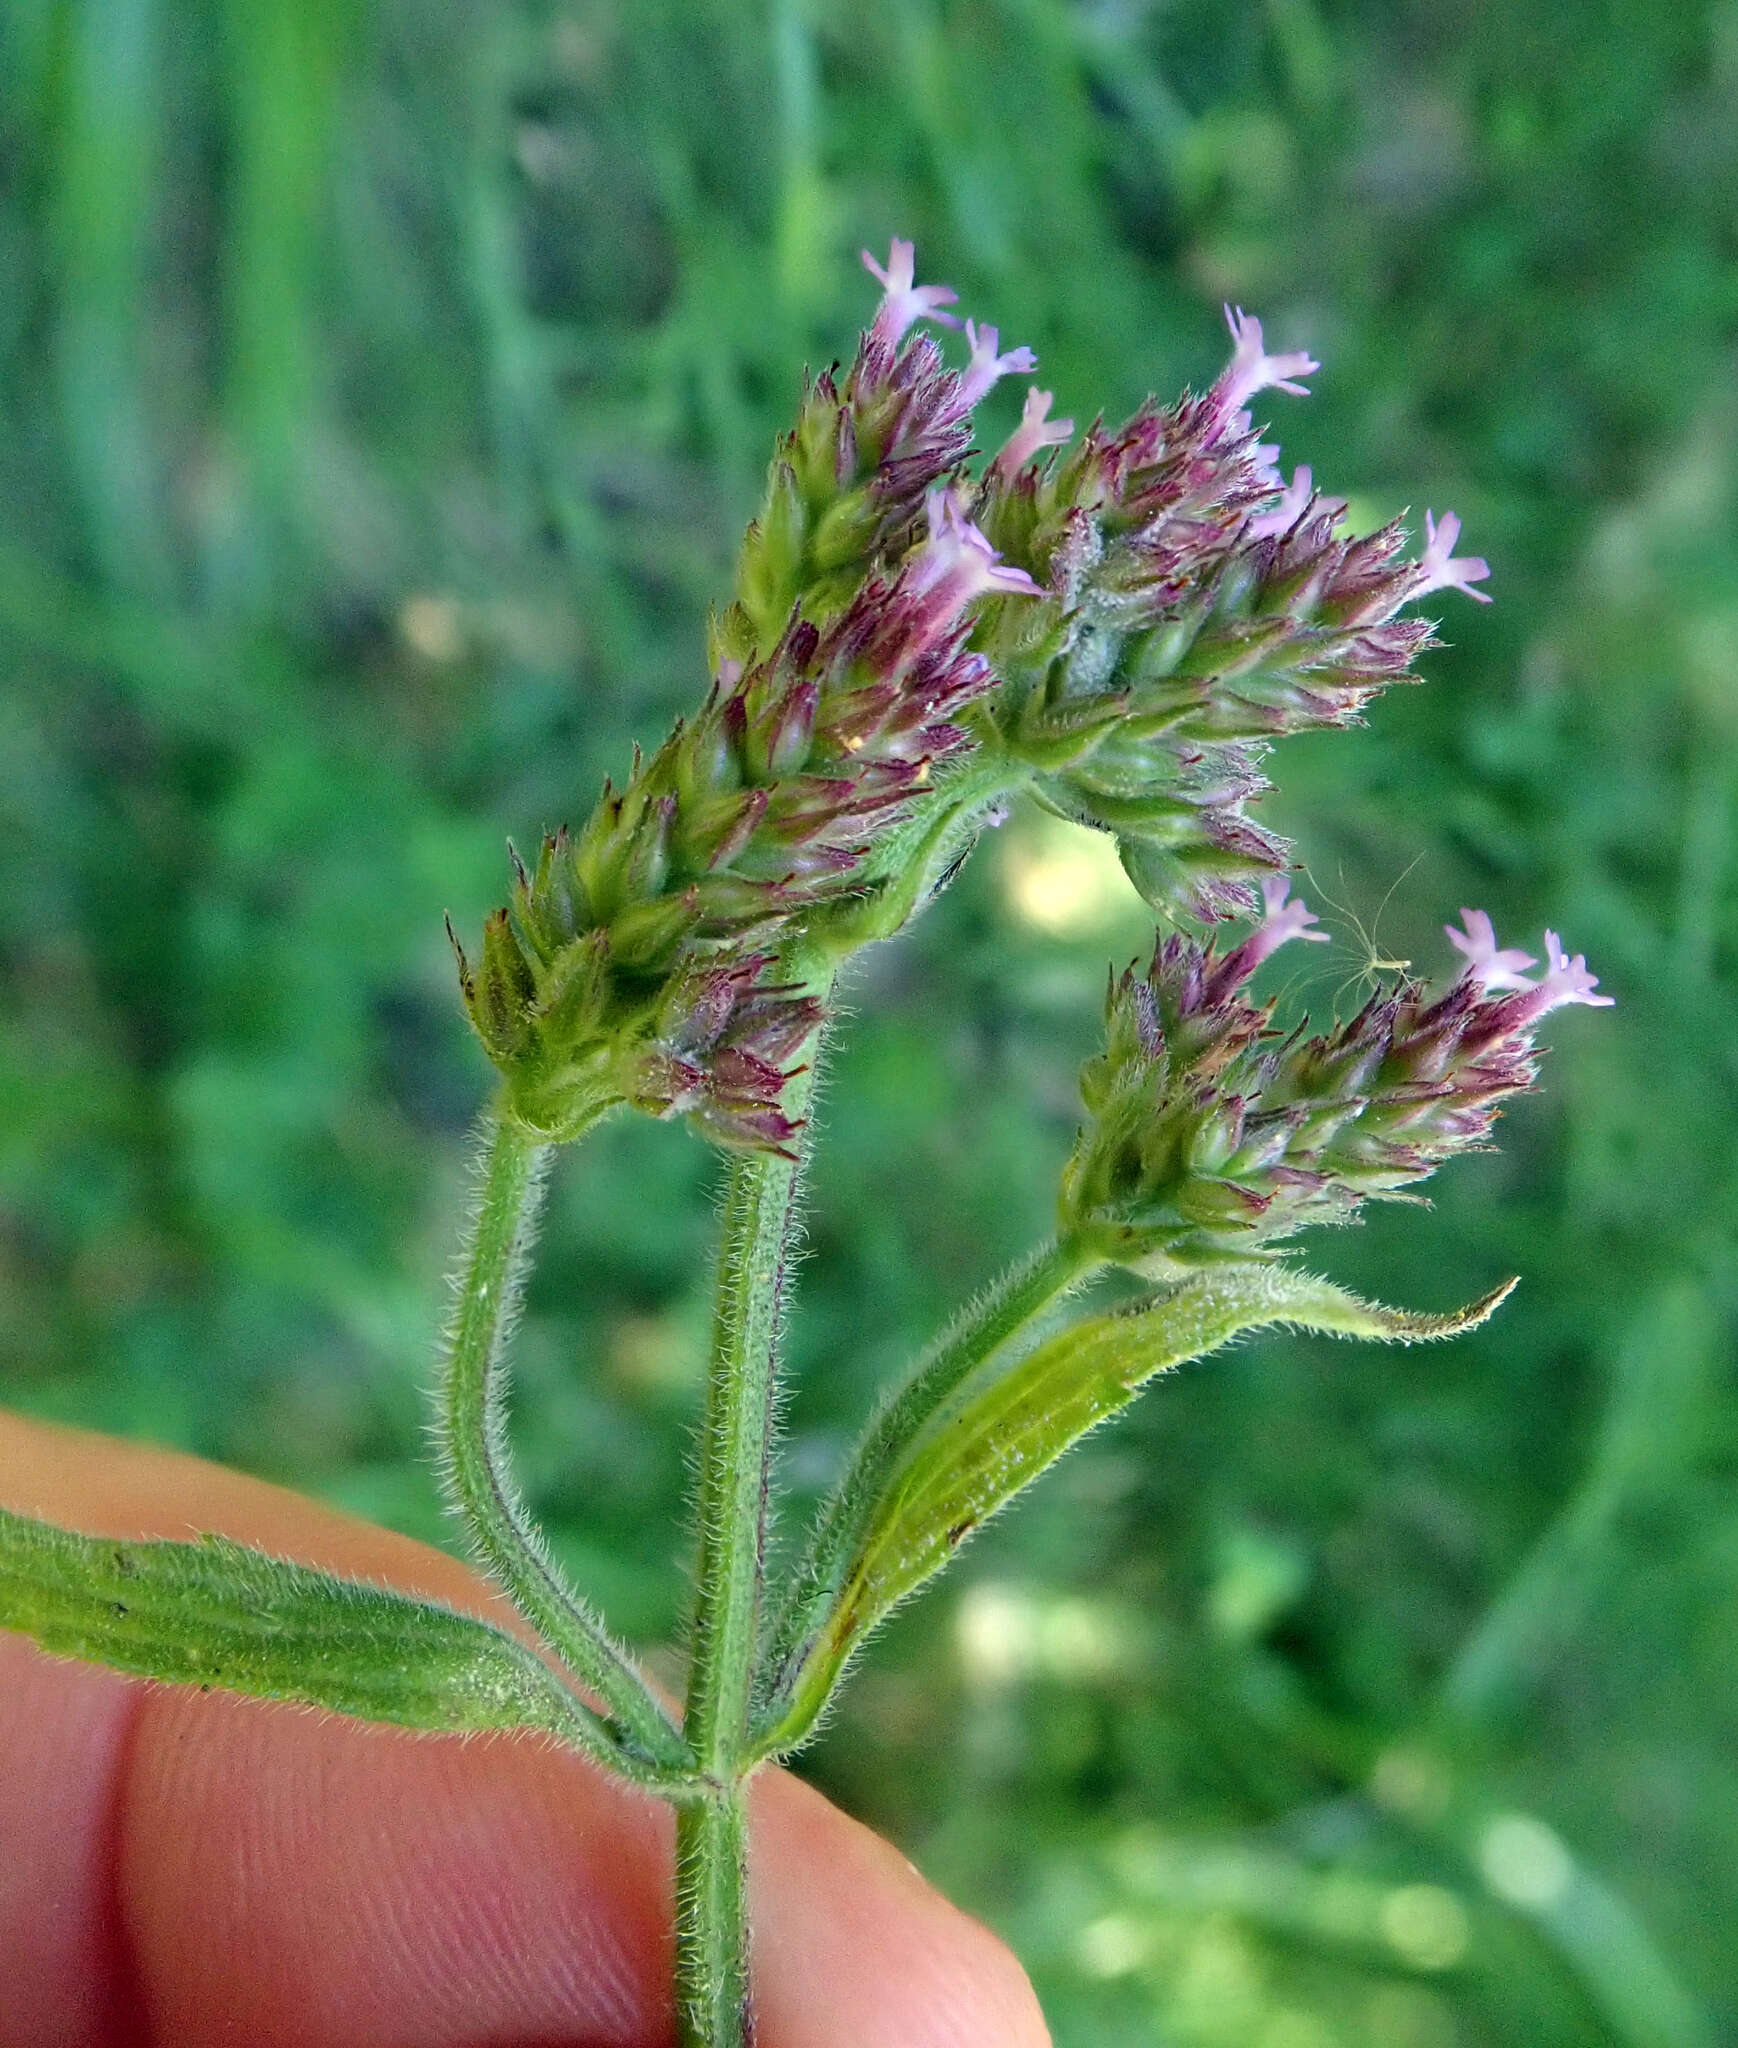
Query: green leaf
(211, 1613)
(1001, 1430)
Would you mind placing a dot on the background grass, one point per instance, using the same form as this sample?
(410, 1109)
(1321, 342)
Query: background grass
(383, 384)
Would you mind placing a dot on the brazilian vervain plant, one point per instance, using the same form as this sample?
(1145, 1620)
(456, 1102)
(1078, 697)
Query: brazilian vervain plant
(1117, 625)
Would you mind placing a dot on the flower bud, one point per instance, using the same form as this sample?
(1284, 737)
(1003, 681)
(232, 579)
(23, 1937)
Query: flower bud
(501, 994)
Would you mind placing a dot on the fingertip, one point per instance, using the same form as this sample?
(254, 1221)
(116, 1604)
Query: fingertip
(853, 1944)
(314, 1878)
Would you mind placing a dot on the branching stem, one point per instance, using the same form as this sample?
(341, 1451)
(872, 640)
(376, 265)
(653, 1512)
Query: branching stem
(1009, 1306)
(472, 1438)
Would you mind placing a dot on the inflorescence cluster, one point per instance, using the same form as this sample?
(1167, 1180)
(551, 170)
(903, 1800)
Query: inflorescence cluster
(1120, 625)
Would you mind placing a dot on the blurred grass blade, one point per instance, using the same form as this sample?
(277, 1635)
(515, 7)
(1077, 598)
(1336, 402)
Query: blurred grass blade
(1663, 1377)
(109, 150)
(998, 1434)
(283, 76)
(212, 1613)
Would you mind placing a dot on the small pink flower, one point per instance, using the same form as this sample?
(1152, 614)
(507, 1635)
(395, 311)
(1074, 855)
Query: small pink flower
(1440, 572)
(986, 368)
(905, 300)
(1265, 454)
(1251, 369)
(1492, 967)
(956, 564)
(1290, 509)
(1281, 922)
(1567, 981)
(1035, 431)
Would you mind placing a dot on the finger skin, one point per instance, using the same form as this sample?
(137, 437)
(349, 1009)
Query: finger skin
(182, 1869)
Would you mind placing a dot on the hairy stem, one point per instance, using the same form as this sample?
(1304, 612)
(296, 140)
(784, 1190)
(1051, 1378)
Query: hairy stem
(1007, 1307)
(735, 1450)
(471, 1431)
(712, 1990)
(711, 1932)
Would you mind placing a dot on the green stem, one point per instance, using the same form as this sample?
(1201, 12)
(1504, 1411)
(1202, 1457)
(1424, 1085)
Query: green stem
(712, 1974)
(711, 1931)
(712, 1990)
(472, 1436)
(1007, 1307)
(735, 1449)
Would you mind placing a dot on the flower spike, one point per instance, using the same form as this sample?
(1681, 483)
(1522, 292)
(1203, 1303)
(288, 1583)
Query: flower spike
(1210, 1136)
(905, 300)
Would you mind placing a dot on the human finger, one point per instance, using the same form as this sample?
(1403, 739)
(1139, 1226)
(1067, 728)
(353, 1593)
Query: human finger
(195, 1868)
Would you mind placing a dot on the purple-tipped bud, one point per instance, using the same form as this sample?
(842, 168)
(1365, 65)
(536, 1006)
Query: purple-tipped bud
(722, 1054)
(904, 300)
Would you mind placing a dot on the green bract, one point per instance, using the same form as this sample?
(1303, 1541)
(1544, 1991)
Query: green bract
(967, 1455)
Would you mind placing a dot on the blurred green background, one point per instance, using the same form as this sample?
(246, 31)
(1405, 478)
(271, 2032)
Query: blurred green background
(383, 385)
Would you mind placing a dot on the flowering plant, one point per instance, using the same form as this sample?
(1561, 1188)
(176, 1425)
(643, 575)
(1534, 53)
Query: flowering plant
(1118, 626)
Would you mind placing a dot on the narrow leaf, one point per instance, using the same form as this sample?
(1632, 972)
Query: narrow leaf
(1003, 1429)
(211, 1613)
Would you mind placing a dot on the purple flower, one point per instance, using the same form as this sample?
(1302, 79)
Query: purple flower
(1035, 431)
(1281, 922)
(986, 368)
(1440, 572)
(1263, 454)
(956, 564)
(1290, 509)
(904, 300)
(1251, 369)
(1487, 964)
(1566, 981)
